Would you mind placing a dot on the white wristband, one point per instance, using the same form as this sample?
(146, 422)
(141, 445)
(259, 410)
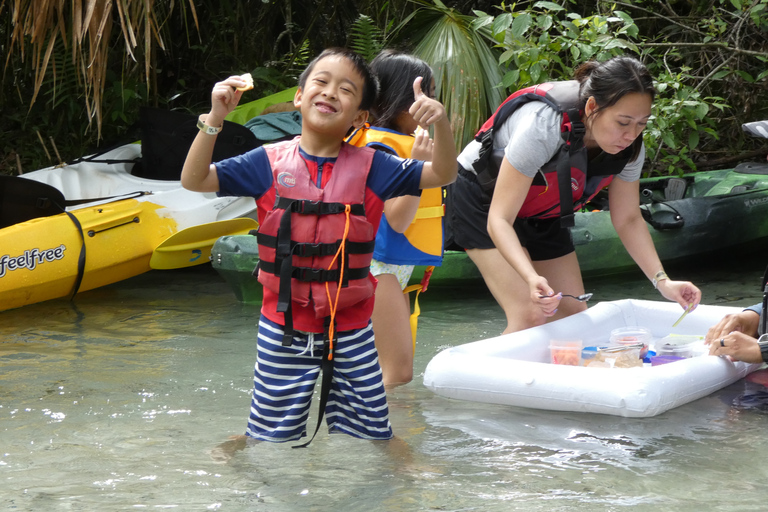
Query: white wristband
(208, 130)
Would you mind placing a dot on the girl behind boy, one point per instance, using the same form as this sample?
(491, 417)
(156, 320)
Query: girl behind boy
(401, 242)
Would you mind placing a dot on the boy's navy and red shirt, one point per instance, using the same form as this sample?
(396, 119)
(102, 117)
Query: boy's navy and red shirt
(251, 175)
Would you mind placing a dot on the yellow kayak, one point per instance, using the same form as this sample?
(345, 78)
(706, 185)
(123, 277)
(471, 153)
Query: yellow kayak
(122, 226)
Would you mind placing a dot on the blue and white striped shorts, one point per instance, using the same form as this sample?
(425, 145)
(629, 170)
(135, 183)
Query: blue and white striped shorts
(284, 382)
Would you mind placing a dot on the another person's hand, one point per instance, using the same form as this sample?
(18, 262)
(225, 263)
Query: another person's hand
(746, 321)
(737, 346)
(422, 145)
(684, 293)
(425, 110)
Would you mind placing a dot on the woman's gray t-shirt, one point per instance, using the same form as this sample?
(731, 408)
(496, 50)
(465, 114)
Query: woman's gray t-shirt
(531, 137)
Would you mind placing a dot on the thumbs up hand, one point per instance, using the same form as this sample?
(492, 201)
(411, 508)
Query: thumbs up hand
(425, 110)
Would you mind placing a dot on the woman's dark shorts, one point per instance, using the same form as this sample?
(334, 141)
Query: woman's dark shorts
(467, 220)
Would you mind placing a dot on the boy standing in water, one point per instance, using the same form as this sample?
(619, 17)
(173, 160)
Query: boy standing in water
(315, 244)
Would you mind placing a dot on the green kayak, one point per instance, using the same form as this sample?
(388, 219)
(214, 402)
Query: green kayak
(691, 216)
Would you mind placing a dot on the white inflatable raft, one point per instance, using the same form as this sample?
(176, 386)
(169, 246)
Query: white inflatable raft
(514, 369)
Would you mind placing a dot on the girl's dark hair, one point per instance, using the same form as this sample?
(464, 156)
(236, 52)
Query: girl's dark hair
(610, 81)
(396, 72)
(370, 84)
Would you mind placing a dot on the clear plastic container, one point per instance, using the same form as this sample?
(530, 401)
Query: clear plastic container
(567, 352)
(616, 356)
(630, 336)
(681, 345)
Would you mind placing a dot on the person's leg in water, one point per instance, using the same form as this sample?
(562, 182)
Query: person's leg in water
(224, 452)
(513, 295)
(392, 329)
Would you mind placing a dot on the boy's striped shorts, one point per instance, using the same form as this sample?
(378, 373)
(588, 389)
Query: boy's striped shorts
(284, 382)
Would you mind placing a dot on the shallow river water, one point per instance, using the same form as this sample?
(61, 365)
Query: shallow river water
(115, 401)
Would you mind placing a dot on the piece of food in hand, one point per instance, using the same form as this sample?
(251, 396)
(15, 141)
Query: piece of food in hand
(249, 82)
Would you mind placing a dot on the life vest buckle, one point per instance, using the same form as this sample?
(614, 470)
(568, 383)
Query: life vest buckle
(576, 138)
(310, 274)
(308, 207)
(307, 250)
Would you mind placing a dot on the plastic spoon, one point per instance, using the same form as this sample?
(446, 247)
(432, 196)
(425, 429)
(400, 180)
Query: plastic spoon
(687, 310)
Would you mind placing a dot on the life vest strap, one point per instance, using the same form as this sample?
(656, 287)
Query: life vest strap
(429, 212)
(314, 275)
(307, 207)
(326, 367)
(320, 249)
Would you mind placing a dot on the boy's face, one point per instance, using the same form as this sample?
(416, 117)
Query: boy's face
(330, 99)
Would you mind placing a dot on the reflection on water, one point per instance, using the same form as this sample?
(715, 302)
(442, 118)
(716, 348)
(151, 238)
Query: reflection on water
(115, 401)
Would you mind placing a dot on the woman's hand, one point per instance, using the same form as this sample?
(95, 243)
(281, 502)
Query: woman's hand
(737, 346)
(544, 297)
(684, 293)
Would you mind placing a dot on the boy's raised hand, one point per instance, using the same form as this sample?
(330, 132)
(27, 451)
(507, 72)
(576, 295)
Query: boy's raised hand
(425, 110)
(225, 96)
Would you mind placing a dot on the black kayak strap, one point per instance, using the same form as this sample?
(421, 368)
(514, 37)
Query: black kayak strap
(80, 259)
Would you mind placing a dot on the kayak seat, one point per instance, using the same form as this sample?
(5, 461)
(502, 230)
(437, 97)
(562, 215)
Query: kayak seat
(675, 189)
(166, 137)
(752, 168)
(756, 128)
(22, 200)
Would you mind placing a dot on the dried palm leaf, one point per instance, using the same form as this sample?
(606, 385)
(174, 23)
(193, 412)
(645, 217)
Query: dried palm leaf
(39, 25)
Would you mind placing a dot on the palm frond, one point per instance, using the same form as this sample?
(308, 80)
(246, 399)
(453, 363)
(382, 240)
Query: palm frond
(467, 74)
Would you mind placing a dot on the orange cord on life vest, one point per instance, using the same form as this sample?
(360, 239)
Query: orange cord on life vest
(333, 304)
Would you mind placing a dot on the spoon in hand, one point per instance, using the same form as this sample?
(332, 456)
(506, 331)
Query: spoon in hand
(581, 298)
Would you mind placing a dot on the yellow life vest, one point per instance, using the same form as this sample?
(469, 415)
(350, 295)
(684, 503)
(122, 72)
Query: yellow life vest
(425, 234)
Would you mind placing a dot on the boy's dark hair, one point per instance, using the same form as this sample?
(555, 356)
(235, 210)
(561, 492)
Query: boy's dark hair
(396, 72)
(610, 81)
(370, 84)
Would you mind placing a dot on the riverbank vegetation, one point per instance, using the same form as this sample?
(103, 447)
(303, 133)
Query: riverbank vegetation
(76, 73)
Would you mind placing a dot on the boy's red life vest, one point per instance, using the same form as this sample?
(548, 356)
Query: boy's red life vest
(569, 180)
(300, 237)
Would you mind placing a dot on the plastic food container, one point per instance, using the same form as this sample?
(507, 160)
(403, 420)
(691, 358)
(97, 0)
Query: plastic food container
(632, 336)
(567, 352)
(659, 360)
(617, 356)
(588, 354)
(681, 345)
